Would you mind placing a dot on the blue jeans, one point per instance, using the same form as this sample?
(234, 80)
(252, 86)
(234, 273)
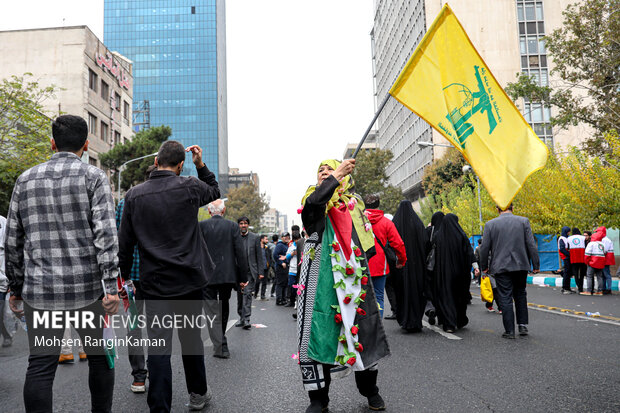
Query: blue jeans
(606, 278)
(378, 284)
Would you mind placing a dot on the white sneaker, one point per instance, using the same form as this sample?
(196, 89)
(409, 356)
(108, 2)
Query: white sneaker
(138, 387)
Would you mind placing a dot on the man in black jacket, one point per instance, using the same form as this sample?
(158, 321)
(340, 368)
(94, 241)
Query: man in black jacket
(279, 256)
(256, 264)
(160, 217)
(261, 284)
(231, 270)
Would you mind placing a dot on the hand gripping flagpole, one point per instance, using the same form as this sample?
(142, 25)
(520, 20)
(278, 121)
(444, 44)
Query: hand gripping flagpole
(381, 106)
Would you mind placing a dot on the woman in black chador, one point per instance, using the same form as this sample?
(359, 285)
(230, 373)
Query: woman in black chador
(453, 260)
(409, 281)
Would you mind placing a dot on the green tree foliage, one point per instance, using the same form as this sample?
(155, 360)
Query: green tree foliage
(246, 201)
(370, 178)
(586, 56)
(143, 143)
(574, 189)
(445, 174)
(25, 130)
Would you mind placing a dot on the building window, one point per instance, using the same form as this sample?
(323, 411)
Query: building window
(117, 138)
(105, 91)
(193, 9)
(92, 124)
(92, 80)
(125, 110)
(117, 101)
(531, 29)
(92, 161)
(104, 131)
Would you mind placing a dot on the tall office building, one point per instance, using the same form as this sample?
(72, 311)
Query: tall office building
(508, 34)
(178, 48)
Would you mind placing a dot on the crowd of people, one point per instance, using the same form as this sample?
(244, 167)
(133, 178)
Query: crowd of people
(588, 258)
(69, 249)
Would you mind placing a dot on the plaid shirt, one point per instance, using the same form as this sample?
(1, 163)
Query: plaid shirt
(134, 275)
(61, 240)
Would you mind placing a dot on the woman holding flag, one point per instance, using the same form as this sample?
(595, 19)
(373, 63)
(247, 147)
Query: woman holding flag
(338, 319)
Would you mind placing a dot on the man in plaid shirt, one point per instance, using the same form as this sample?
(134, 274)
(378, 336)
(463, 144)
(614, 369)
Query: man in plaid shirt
(61, 243)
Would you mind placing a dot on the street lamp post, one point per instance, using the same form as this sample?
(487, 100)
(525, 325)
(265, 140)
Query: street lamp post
(120, 169)
(466, 169)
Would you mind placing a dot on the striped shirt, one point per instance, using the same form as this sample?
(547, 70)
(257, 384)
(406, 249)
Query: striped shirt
(61, 239)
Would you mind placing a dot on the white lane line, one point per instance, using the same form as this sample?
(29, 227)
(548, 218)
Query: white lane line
(440, 331)
(231, 323)
(597, 320)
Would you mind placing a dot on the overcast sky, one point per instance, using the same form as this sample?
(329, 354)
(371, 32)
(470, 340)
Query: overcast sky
(299, 81)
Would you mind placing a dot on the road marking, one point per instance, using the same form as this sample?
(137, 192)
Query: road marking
(231, 323)
(440, 331)
(598, 320)
(578, 314)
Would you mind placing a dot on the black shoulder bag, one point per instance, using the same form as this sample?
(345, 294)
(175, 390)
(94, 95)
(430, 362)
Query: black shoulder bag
(390, 254)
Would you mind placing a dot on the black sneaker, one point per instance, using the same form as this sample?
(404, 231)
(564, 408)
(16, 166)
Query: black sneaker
(510, 336)
(568, 292)
(431, 317)
(376, 402)
(316, 407)
(523, 330)
(390, 317)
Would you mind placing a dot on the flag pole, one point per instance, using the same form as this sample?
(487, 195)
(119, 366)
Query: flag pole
(381, 106)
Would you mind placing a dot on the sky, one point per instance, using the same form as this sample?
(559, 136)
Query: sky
(299, 79)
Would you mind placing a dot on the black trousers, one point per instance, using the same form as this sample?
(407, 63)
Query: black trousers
(261, 286)
(579, 272)
(366, 381)
(160, 372)
(566, 274)
(511, 286)
(43, 361)
(281, 284)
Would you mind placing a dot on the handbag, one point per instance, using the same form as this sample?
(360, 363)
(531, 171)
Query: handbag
(486, 290)
(390, 254)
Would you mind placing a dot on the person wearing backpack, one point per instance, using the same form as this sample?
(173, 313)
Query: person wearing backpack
(386, 236)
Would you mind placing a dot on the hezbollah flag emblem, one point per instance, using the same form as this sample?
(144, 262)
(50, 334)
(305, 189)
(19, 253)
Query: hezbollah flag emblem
(447, 83)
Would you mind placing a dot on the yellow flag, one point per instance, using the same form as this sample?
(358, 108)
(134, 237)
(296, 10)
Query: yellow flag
(447, 83)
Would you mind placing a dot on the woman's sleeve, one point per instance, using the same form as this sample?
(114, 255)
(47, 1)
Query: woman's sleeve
(314, 208)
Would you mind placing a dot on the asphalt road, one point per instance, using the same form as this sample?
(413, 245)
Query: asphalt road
(568, 363)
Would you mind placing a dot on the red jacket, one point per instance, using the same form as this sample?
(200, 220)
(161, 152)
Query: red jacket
(385, 230)
(610, 258)
(595, 252)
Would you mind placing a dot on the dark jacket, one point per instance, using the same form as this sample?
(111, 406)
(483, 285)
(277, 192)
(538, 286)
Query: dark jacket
(160, 217)
(269, 263)
(279, 250)
(226, 250)
(256, 259)
(510, 240)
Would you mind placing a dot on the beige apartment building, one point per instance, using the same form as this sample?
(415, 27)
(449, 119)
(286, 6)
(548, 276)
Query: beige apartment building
(94, 82)
(508, 34)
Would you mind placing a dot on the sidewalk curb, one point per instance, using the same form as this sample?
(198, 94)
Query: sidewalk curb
(557, 282)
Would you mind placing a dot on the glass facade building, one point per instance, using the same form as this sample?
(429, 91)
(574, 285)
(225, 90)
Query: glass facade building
(178, 51)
